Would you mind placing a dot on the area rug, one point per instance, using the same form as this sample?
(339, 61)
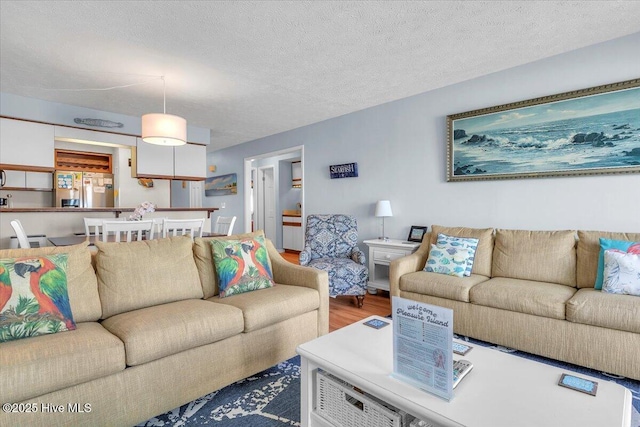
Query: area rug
(271, 398)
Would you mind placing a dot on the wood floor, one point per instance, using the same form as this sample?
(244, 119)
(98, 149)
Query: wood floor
(344, 311)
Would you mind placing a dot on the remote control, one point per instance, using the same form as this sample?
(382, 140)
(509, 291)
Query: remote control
(460, 369)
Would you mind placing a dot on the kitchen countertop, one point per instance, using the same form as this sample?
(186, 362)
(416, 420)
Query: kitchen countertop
(117, 211)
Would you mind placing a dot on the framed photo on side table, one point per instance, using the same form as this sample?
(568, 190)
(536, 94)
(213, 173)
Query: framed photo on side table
(416, 233)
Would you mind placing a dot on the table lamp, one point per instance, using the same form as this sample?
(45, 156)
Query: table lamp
(383, 209)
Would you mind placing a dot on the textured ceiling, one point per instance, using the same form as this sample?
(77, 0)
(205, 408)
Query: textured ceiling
(248, 69)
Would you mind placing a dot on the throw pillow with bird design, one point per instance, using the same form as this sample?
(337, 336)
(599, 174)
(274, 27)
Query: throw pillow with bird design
(33, 297)
(241, 265)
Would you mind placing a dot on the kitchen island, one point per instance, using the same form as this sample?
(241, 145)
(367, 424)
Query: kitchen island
(69, 221)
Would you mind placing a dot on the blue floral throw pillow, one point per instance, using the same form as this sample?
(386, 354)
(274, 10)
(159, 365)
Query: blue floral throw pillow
(621, 273)
(33, 297)
(453, 242)
(447, 260)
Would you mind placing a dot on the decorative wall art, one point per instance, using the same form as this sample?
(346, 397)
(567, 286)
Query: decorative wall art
(586, 132)
(346, 170)
(222, 185)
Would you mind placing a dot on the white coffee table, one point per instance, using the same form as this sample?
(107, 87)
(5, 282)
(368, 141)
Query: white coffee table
(501, 390)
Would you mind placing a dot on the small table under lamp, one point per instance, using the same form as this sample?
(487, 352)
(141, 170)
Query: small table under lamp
(383, 209)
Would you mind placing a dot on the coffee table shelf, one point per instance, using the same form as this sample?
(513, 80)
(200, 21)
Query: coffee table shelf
(501, 390)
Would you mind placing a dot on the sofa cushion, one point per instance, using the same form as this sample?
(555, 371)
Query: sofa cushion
(440, 285)
(621, 273)
(588, 252)
(269, 306)
(28, 310)
(204, 261)
(596, 308)
(81, 278)
(523, 296)
(542, 256)
(155, 332)
(242, 265)
(484, 252)
(52, 362)
(146, 273)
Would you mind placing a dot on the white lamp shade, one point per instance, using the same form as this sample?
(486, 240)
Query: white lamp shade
(383, 208)
(164, 129)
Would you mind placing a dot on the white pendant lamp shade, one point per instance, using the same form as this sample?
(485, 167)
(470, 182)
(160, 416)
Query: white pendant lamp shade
(164, 129)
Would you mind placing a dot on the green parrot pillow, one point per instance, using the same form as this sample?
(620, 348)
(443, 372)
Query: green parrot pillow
(33, 297)
(241, 265)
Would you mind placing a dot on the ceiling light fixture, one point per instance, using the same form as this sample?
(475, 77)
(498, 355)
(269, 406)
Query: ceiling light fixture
(164, 129)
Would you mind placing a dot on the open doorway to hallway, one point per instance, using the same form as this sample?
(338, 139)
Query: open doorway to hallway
(272, 185)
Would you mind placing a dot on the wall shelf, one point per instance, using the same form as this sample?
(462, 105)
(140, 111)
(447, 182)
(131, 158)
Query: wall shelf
(83, 161)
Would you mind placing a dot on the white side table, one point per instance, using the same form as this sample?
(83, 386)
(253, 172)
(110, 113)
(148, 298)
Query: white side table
(381, 253)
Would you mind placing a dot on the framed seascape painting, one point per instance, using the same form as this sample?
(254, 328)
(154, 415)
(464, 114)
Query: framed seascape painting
(585, 132)
(222, 185)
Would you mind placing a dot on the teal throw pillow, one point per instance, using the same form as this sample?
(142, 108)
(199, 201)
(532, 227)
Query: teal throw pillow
(453, 242)
(621, 273)
(33, 297)
(606, 244)
(241, 265)
(447, 260)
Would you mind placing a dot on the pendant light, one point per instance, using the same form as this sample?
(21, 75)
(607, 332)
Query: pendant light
(164, 129)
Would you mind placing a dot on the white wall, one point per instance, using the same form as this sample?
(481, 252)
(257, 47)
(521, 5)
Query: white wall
(132, 194)
(400, 148)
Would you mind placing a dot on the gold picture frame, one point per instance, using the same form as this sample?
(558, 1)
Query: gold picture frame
(591, 131)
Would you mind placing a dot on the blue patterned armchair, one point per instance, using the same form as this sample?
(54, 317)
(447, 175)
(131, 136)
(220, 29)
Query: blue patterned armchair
(331, 245)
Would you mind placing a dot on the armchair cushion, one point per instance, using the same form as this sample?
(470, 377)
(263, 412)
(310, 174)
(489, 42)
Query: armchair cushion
(345, 276)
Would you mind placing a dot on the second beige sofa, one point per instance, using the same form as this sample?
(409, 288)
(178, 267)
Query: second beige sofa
(533, 291)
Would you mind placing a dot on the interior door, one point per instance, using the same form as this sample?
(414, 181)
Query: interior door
(266, 202)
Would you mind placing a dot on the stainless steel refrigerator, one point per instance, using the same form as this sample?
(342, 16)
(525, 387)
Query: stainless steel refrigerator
(83, 189)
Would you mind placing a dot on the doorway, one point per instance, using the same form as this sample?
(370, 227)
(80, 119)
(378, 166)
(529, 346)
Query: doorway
(261, 202)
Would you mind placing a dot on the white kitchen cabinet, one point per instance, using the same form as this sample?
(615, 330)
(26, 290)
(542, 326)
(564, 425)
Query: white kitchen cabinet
(190, 162)
(292, 237)
(24, 143)
(14, 179)
(39, 180)
(151, 161)
(21, 180)
(86, 136)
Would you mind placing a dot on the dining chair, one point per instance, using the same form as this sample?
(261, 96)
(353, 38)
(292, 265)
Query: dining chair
(181, 227)
(224, 225)
(93, 226)
(23, 241)
(157, 225)
(129, 229)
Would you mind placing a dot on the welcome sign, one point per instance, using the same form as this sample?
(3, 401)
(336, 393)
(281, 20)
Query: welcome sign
(347, 170)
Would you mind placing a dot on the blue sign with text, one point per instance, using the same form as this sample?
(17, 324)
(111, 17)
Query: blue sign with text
(347, 170)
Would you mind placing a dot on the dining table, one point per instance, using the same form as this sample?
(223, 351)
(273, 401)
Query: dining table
(76, 239)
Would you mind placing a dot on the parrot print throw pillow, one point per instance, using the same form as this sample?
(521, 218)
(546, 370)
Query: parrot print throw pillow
(241, 265)
(33, 297)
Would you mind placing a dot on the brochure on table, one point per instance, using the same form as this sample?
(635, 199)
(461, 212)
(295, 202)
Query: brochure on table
(422, 340)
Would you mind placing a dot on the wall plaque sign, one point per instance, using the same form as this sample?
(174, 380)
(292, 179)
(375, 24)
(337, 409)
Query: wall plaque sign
(346, 170)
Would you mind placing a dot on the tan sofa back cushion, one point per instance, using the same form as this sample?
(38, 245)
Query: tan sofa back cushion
(146, 273)
(589, 251)
(81, 278)
(204, 260)
(542, 256)
(482, 261)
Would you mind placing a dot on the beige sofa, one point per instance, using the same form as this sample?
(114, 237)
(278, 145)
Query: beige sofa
(533, 291)
(153, 334)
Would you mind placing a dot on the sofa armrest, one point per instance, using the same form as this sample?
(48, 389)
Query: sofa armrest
(305, 256)
(408, 264)
(287, 273)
